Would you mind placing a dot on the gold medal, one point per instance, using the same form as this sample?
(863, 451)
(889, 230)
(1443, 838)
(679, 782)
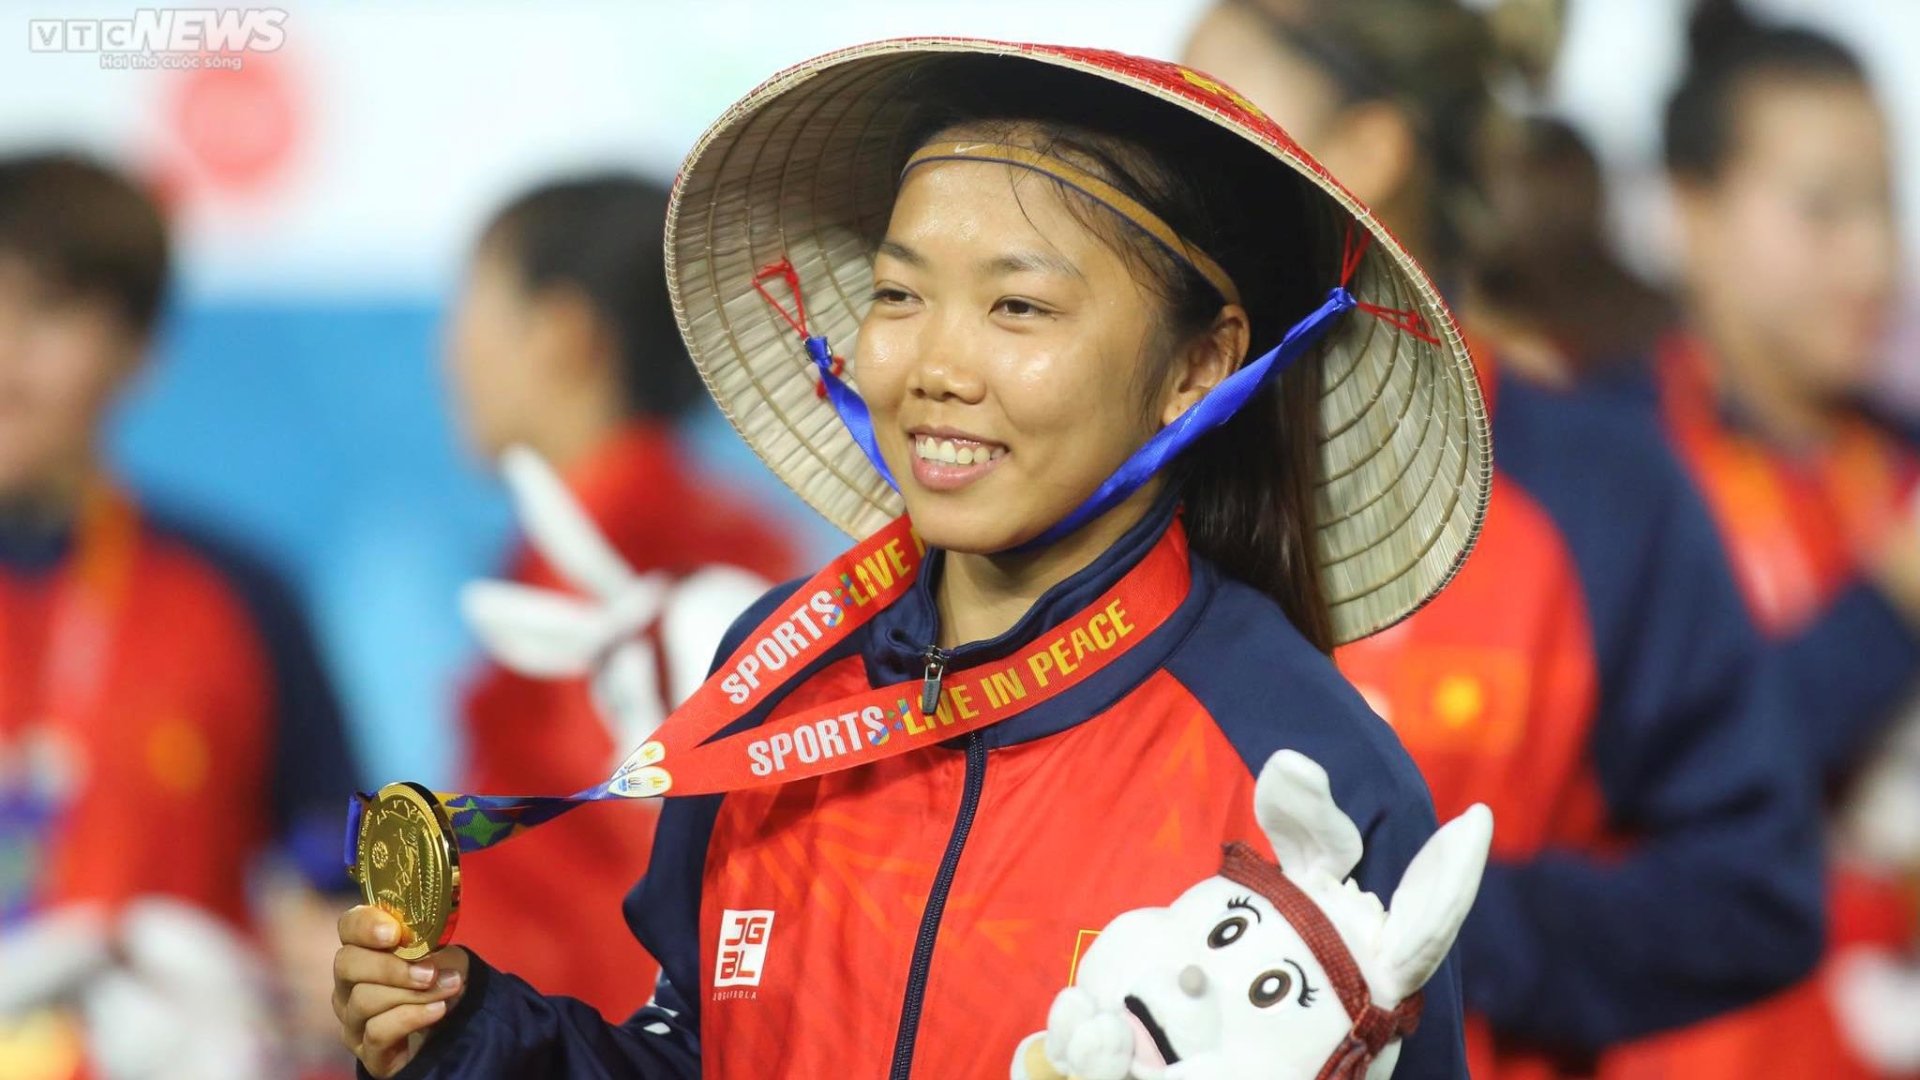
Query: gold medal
(408, 863)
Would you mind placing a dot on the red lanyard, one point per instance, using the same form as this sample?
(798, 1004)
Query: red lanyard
(684, 758)
(89, 592)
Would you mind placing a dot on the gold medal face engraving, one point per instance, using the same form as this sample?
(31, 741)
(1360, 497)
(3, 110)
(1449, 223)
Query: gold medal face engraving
(409, 865)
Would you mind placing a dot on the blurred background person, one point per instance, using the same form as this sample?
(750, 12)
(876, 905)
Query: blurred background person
(164, 718)
(1779, 154)
(1590, 673)
(319, 238)
(563, 341)
(1544, 289)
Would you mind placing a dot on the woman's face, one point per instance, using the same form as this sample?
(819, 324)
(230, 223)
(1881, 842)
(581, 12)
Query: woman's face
(1005, 356)
(1796, 237)
(63, 361)
(490, 353)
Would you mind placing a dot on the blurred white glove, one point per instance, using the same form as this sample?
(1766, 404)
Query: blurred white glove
(183, 998)
(190, 1000)
(50, 957)
(1880, 818)
(1876, 996)
(544, 633)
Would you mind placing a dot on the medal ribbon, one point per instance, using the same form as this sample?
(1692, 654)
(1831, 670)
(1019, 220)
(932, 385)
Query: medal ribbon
(89, 596)
(683, 757)
(874, 573)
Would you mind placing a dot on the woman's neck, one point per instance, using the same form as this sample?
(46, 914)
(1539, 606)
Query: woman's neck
(1408, 212)
(1760, 384)
(980, 597)
(47, 502)
(574, 426)
(1521, 344)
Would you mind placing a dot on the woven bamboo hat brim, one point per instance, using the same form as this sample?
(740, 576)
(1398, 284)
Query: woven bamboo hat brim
(805, 168)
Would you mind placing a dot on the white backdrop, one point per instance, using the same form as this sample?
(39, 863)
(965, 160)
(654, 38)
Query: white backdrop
(359, 155)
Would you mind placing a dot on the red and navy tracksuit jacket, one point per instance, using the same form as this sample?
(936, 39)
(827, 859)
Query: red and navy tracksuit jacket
(1592, 675)
(1797, 522)
(915, 917)
(1794, 526)
(528, 734)
(217, 731)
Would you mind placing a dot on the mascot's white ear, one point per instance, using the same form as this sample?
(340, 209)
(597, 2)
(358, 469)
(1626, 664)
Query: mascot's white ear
(1295, 808)
(1432, 901)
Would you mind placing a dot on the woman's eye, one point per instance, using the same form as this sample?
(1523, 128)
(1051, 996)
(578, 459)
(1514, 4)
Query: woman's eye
(1227, 932)
(1269, 988)
(888, 295)
(1019, 308)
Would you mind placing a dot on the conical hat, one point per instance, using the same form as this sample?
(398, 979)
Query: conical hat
(805, 167)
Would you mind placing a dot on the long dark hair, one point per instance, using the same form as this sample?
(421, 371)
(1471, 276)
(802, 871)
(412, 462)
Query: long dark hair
(1727, 53)
(1437, 61)
(1547, 258)
(84, 228)
(1248, 487)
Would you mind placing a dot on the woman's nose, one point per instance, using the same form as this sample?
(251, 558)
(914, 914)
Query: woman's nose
(941, 379)
(944, 370)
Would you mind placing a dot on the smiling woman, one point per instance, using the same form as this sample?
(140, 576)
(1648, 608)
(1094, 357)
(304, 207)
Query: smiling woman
(1168, 416)
(1343, 481)
(1026, 337)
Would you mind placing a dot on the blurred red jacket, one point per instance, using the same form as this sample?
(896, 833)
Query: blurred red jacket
(1589, 674)
(164, 719)
(549, 908)
(1794, 524)
(164, 715)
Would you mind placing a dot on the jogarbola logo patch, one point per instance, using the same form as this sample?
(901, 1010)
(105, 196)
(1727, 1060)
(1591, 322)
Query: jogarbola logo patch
(1080, 942)
(743, 950)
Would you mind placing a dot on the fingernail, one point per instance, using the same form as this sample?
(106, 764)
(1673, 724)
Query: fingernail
(435, 1008)
(449, 980)
(422, 974)
(386, 933)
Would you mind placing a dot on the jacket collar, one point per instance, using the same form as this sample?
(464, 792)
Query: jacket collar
(33, 547)
(627, 484)
(895, 644)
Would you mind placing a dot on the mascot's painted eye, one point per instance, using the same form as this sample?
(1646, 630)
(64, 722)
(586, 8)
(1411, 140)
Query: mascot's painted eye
(1269, 988)
(1227, 932)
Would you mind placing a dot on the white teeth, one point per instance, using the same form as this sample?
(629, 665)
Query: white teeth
(948, 452)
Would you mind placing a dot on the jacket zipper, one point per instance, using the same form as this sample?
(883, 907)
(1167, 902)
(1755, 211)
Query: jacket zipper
(936, 658)
(937, 899)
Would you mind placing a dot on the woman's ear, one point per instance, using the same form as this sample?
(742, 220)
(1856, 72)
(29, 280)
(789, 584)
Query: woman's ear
(1206, 361)
(568, 336)
(1698, 228)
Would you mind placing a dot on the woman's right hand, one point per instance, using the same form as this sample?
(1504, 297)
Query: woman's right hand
(387, 1006)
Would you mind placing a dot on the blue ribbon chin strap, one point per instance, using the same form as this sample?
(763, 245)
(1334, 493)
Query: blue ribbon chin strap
(1216, 408)
(852, 410)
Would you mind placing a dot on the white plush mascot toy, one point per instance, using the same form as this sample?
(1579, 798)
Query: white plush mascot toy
(160, 990)
(1268, 972)
(1875, 990)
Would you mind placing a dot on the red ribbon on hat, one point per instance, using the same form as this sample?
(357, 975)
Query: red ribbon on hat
(783, 269)
(1406, 321)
